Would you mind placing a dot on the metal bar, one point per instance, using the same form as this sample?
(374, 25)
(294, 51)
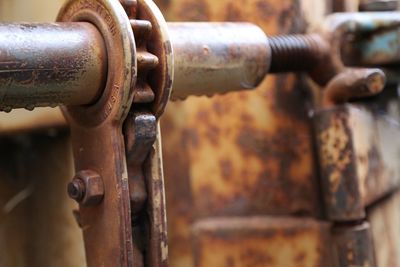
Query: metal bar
(50, 64)
(216, 57)
(54, 64)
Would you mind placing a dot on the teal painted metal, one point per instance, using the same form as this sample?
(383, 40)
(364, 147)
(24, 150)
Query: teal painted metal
(382, 48)
(370, 39)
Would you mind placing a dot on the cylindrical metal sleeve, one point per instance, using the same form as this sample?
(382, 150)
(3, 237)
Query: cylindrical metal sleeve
(50, 64)
(215, 58)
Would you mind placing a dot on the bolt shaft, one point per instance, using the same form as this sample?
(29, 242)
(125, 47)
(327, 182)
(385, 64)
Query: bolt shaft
(76, 190)
(296, 52)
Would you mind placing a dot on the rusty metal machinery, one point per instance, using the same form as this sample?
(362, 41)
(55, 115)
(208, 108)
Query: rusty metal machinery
(114, 66)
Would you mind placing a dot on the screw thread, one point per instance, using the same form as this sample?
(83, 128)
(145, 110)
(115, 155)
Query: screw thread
(295, 52)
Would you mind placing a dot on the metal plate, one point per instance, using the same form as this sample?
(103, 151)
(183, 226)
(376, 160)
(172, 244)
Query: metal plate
(359, 155)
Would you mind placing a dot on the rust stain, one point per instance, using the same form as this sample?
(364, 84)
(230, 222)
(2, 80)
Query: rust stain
(178, 189)
(353, 245)
(265, 161)
(261, 241)
(336, 149)
(241, 154)
(338, 172)
(358, 155)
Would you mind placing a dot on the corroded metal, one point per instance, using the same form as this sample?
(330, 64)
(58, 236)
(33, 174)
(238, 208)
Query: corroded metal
(50, 64)
(87, 188)
(206, 54)
(358, 157)
(242, 154)
(297, 52)
(141, 71)
(157, 43)
(97, 139)
(375, 39)
(353, 245)
(259, 241)
(353, 84)
(142, 134)
(366, 39)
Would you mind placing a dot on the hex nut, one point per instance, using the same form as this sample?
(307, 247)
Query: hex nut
(87, 188)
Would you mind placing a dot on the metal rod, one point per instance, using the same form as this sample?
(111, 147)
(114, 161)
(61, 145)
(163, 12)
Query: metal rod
(50, 64)
(212, 58)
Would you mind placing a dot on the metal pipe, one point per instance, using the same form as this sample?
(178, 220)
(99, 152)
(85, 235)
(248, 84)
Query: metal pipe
(50, 64)
(212, 58)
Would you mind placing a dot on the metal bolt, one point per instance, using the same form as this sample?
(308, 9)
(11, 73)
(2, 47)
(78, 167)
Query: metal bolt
(311, 53)
(87, 188)
(297, 52)
(76, 189)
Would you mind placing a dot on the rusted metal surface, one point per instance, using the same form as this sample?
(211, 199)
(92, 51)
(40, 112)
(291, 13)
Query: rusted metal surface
(96, 130)
(158, 43)
(269, 161)
(207, 53)
(375, 40)
(384, 218)
(157, 252)
(41, 118)
(262, 241)
(246, 153)
(358, 154)
(212, 49)
(297, 52)
(50, 64)
(142, 134)
(353, 84)
(180, 209)
(236, 133)
(353, 245)
(87, 188)
(97, 139)
(366, 39)
(138, 72)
